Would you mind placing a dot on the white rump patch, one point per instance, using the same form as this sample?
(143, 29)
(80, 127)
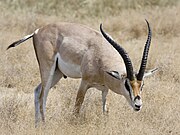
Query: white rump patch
(68, 69)
(36, 31)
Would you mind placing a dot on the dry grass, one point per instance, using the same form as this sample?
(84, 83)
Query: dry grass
(124, 20)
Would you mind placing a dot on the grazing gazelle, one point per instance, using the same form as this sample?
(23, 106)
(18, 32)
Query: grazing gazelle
(76, 51)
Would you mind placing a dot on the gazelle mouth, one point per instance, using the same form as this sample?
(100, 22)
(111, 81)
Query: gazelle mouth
(137, 109)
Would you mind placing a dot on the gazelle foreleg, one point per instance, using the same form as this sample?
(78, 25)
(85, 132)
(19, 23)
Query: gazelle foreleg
(80, 96)
(104, 95)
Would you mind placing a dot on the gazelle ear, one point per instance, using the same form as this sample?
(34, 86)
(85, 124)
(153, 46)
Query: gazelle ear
(114, 74)
(150, 72)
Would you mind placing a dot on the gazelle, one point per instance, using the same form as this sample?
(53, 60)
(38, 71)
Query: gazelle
(76, 51)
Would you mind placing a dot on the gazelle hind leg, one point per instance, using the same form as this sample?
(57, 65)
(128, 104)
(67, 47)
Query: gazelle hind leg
(57, 76)
(43, 97)
(48, 81)
(37, 92)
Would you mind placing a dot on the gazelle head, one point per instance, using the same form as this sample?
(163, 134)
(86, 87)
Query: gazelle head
(133, 82)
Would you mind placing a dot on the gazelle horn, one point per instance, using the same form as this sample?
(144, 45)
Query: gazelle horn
(145, 54)
(123, 53)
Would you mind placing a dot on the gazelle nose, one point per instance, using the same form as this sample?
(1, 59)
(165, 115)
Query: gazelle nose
(137, 98)
(137, 103)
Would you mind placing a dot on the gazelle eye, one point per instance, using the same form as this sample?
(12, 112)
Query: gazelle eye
(114, 74)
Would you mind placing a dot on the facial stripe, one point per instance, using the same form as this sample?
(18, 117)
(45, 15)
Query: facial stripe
(128, 87)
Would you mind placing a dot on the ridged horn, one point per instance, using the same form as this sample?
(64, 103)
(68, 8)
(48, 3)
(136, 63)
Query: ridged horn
(145, 54)
(123, 53)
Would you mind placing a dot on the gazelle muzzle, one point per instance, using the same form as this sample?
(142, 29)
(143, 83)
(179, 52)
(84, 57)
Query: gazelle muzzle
(137, 103)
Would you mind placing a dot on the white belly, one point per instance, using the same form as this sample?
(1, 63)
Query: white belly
(69, 69)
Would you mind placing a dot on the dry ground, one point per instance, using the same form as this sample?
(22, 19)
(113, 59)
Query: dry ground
(124, 20)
